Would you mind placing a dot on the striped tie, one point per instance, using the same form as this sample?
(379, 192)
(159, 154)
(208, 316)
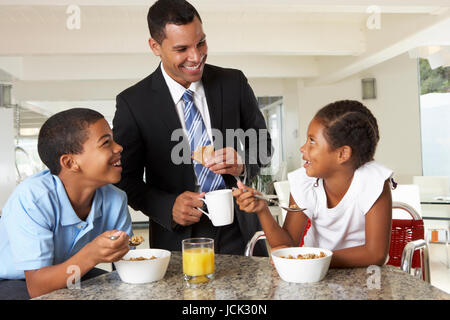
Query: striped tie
(198, 136)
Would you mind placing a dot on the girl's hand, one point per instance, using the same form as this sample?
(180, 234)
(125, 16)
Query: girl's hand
(246, 200)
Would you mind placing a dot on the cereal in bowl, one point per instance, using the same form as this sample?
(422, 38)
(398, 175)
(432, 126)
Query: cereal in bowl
(306, 256)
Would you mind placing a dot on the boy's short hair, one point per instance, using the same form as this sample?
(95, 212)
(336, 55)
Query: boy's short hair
(64, 133)
(162, 12)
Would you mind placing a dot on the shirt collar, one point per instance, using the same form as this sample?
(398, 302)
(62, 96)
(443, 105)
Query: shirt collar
(68, 215)
(177, 90)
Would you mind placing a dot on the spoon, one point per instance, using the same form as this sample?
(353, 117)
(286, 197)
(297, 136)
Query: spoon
(275, 202)
(133, 242)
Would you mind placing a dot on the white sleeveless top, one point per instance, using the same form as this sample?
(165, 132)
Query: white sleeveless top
(344, 225)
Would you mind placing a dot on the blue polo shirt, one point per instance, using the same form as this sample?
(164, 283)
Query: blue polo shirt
(39, 227)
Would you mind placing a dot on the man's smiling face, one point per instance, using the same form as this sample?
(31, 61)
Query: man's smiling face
(183, 51)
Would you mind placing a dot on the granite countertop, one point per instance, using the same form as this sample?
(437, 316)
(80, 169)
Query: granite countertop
(248, 278)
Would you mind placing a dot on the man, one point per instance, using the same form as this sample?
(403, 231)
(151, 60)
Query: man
(150, 112)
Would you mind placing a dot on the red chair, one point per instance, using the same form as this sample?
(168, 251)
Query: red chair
(407, 237)
(408, 248)
(308, 225)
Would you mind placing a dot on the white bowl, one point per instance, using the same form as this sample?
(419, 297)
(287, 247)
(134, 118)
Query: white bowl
(301, 270)
(145, 270)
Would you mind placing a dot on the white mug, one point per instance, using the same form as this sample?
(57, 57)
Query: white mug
(220, 207)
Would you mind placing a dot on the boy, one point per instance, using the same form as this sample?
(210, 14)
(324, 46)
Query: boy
(63, 217)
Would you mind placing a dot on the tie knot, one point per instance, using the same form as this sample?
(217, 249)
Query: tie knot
(188, 96)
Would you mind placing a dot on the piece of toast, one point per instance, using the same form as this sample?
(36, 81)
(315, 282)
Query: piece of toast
(203, 153)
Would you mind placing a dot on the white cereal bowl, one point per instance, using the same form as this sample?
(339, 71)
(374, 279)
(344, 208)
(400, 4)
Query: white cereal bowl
(301, 270)
(145, 270)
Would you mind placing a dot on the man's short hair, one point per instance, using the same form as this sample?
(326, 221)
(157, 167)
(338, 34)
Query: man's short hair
(64, 133)
(162, 12)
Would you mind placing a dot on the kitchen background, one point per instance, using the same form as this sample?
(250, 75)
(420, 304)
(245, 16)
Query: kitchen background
(298, 55)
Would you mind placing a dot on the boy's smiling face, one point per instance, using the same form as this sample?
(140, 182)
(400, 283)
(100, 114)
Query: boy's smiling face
(99, 163)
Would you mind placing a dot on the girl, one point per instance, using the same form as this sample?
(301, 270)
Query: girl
(346, 194)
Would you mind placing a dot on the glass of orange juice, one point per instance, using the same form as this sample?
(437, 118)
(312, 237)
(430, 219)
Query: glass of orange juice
(198, 260)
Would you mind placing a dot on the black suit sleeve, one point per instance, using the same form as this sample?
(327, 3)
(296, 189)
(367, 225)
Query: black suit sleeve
(142, 196)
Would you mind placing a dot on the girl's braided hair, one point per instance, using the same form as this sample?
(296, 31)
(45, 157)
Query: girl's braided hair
(349, 122)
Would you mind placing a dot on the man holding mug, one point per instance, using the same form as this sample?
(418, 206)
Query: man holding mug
(184, 93)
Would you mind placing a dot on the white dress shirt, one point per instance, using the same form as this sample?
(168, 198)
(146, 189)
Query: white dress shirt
(177, 90)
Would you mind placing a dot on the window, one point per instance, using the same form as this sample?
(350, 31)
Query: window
(272, 110)
(435, 119)
(27, 124)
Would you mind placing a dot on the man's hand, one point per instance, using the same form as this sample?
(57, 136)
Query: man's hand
(102, 249)
(184, 210)
(226, 161)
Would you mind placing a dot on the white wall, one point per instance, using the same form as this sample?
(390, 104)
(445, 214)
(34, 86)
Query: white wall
(396, 109)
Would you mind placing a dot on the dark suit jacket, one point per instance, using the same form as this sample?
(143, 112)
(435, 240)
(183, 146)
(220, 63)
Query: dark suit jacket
(143, 124)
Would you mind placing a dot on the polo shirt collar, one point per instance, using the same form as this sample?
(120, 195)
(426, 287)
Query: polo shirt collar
(68, 215)
(96, 208)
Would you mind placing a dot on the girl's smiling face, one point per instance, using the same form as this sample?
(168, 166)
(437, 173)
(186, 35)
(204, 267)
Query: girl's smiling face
(320, 160)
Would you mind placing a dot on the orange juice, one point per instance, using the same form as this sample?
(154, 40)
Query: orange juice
(198, 261)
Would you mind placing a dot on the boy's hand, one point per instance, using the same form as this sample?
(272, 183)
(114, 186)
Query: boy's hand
(246, 200)
(103, 249)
